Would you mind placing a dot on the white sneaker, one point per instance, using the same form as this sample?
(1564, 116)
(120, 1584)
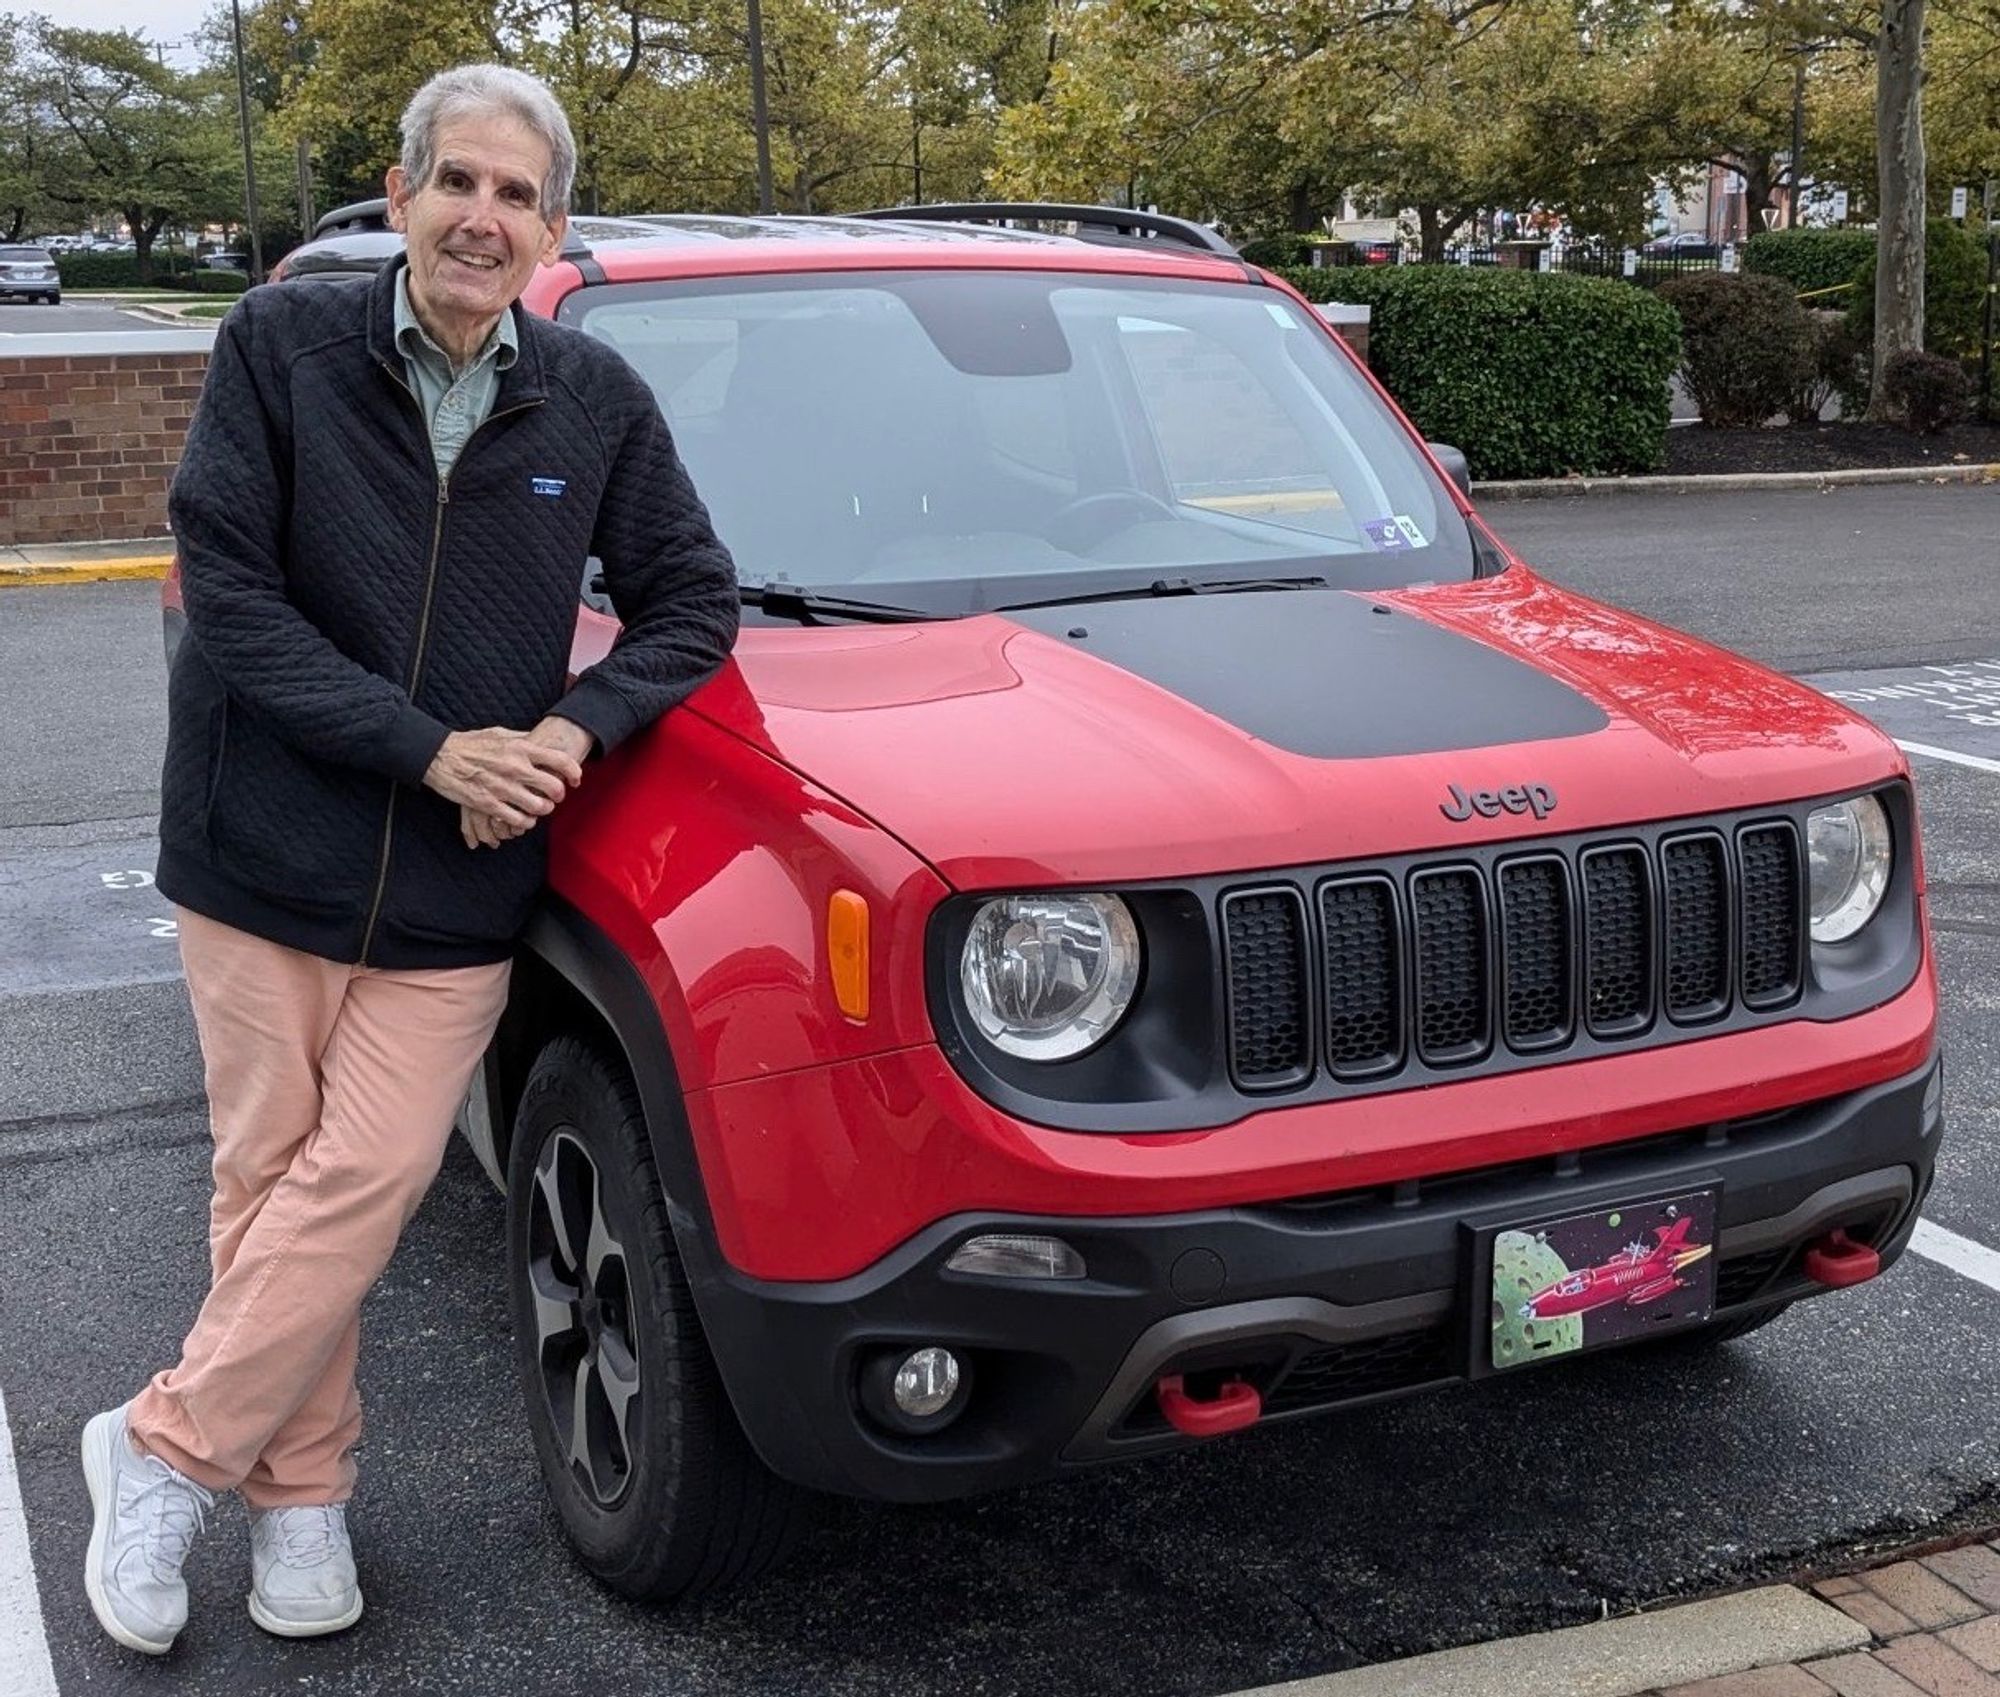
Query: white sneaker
(302, 1580)
(144, 1517)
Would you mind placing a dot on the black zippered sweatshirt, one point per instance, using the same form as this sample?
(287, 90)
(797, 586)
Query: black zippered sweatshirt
(346, 609)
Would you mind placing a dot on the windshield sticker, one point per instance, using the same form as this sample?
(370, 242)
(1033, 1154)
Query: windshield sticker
(1395, 534)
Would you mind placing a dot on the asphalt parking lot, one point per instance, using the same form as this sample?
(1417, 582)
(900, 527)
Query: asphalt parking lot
(78, 315)
(1853, 1426)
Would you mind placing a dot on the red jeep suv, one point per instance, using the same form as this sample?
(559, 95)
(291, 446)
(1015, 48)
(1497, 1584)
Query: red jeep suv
(1164, 924)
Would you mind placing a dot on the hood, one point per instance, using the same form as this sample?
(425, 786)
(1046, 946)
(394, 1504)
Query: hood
(1197, 734)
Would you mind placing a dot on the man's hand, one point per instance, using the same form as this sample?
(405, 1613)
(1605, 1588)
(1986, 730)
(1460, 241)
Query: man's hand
(512, 777)
(562, 737)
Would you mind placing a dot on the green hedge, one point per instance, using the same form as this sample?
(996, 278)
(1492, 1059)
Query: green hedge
(1532, 374)
(1811, 260)
(121, 271)
(1954, 292)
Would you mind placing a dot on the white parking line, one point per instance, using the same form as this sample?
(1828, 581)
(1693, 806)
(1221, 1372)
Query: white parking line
(1978, 762)
(1960, 1254)
(24, 1649)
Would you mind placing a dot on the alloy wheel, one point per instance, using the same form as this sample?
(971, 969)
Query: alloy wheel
(585, 1341)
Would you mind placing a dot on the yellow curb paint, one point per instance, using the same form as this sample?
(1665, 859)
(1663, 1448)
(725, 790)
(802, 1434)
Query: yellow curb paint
(85, 571)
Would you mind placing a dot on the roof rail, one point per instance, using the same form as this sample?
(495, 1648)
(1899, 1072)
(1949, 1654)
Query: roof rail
(1118, 220)
(374, 215)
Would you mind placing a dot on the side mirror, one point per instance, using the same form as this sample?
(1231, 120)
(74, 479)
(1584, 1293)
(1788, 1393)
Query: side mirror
(1455, 466)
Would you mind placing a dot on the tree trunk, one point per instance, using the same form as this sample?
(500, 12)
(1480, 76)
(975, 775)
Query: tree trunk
(1430, 234)
(1300, 209)
(142, 242)
(1759, 189)
(1899, 153)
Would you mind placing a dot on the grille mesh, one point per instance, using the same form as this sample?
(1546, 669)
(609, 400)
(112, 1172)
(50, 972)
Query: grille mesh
(1534, 916)
(1267, 991)
(1619, 921)
(1442, 966)
(1369, 1367)
(1451, 964)
(1770, 914)
(1364, 975)
(1697, 927)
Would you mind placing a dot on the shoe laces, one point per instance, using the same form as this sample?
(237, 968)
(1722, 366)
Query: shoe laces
(177, 1509)
(309, 1536)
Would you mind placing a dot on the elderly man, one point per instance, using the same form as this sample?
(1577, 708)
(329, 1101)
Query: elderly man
(388, 496)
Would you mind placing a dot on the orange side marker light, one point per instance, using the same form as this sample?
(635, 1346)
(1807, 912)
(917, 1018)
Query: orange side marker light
(847, 951)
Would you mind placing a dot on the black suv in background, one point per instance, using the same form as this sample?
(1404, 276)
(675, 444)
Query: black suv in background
(29, 273)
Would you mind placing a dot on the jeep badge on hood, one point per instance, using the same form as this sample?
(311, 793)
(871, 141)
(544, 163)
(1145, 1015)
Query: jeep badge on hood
(1537, 799)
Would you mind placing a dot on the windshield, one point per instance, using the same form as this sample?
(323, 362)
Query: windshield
(963, 439)
(23, 255)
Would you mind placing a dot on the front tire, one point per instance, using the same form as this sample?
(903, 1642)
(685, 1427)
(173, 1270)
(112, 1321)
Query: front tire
(641, 1452)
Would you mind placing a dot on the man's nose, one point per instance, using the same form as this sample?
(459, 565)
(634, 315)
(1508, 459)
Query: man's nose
(482, 215)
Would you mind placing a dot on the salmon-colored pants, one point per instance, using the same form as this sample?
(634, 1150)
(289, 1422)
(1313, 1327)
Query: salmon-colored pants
(332, 1090)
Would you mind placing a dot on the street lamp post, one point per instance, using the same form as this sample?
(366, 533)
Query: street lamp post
(249, 164)
(1798, 129)
(758, 114)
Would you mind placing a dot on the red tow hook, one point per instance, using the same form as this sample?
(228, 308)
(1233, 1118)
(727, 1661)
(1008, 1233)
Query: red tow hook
(1235, 1406)
(1837, 1261)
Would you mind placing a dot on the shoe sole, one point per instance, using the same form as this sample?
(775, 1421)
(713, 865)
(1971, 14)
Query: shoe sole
(99, 1435)
(279, 1627)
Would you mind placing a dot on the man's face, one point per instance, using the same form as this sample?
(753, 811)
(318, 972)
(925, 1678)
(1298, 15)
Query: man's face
(475, 232)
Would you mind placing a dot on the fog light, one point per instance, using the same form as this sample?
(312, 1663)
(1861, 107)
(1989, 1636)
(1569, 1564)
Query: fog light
(1001, 1256)
(925, 1383)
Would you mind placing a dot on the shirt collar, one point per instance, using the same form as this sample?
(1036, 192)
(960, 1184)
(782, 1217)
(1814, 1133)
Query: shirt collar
(502, 344)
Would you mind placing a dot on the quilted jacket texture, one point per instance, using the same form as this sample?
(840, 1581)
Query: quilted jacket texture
(345, 610)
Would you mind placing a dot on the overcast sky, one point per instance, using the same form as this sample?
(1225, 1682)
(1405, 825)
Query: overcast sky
(163, 23)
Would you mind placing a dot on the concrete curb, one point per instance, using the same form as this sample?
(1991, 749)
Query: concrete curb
(1546, 488)
(160, 315)
(24, 573)
(1612, 1658)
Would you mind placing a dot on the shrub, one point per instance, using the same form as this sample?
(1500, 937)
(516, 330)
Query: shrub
(1278, 251)
(1746, 346)
(119, 270)
(1849, 363)
(1820, 379)
(1931, 391)
(1954, 292)
(1533, 375)
(1811, 260)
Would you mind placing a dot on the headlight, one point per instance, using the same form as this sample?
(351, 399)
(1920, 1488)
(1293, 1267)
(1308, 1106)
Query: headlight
(1848, 850)
(1047, 977)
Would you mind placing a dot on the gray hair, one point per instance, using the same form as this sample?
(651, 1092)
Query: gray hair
(471, 89)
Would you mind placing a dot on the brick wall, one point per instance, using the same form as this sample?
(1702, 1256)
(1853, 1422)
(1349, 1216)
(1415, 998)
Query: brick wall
(89, 441)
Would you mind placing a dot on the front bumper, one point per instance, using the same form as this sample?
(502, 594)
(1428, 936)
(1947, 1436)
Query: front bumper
(1322, 1302)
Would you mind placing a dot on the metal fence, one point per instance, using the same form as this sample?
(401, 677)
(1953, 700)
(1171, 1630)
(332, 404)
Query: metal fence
(1648, 266)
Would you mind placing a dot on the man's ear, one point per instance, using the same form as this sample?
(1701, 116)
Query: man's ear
(558, 227)
(399, 191)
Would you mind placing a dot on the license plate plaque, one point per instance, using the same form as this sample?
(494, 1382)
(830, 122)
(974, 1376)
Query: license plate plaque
(1559, 1286)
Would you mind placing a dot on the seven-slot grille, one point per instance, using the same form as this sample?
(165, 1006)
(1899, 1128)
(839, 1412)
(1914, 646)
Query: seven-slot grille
(1459, 962)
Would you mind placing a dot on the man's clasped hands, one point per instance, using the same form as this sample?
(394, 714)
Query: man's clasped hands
(505, 782)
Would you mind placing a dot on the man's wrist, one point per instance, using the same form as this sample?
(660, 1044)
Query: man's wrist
(567, 736)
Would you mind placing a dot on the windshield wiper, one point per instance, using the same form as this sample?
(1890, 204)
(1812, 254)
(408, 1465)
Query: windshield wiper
(1173, 586)
(788, 601)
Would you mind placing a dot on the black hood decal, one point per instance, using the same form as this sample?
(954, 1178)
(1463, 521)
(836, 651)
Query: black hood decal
(1329, 675)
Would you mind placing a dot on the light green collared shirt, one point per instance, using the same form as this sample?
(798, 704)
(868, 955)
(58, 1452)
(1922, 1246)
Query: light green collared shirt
(455, 402)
